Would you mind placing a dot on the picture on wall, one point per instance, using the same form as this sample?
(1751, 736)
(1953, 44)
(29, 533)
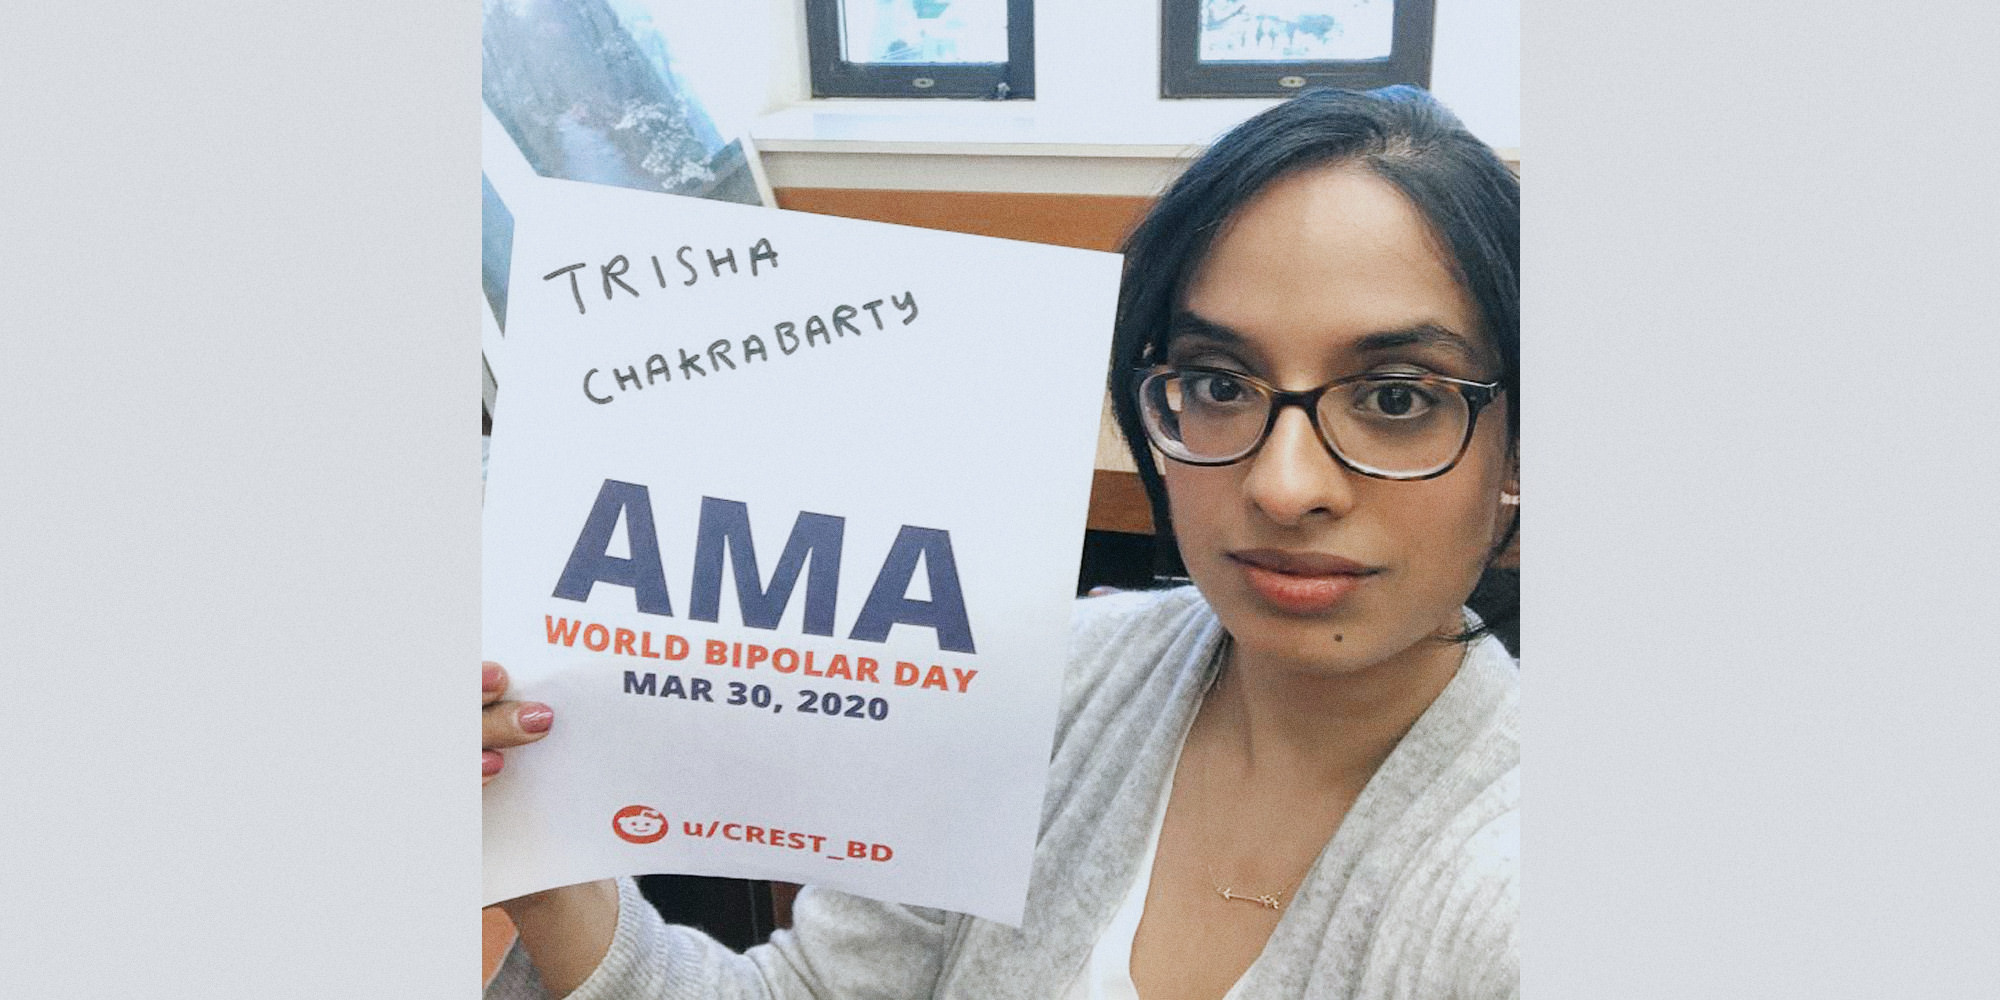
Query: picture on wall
(589, 91)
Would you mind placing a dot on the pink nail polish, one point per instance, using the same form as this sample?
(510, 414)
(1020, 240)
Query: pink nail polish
(490, 680)
(536, 718)
(489, 764)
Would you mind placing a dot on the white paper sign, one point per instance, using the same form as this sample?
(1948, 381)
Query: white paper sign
(783, 518)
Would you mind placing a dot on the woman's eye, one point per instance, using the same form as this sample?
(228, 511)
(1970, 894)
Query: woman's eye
(1218, 389)
(1395, 400)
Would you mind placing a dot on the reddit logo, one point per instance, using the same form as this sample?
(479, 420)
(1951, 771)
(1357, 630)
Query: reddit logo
(639, 824)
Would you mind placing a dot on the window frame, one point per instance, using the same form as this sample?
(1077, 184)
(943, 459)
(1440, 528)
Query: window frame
(1183, 74)
(831, 75)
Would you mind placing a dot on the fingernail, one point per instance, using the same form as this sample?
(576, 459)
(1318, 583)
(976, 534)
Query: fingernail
(489, 764)
(536, 718)
(490, 681)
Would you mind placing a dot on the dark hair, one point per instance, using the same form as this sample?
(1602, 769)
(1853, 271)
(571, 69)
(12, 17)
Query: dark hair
(1399, 134)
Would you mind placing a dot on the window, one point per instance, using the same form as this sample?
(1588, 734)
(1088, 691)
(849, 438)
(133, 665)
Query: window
(921, 48)
(1248, 48)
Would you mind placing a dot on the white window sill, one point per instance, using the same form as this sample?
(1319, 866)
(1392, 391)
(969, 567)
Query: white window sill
(970, 145)
(1172, 129)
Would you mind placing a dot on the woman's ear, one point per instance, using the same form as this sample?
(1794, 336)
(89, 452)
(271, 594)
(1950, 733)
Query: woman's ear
(1510, 512)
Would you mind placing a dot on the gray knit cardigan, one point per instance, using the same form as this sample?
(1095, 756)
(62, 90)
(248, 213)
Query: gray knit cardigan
(1415, 897)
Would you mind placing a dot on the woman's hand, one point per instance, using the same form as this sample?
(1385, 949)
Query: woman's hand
(506, 724)
(566, 931)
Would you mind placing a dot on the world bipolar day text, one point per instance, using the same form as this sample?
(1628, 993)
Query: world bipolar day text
(667, 646)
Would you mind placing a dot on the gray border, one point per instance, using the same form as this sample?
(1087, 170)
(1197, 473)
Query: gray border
(1758, 503)
(1759, 708)
(241, 501)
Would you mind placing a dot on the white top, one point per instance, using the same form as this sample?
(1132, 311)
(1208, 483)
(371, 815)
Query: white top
(1108, 973)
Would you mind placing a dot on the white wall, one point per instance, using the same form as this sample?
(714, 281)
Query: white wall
(1476, 66)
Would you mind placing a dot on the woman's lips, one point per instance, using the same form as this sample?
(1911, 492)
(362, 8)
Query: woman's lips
(1300, 582)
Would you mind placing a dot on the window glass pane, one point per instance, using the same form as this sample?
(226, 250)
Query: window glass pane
(925, 31)
(1295, 30)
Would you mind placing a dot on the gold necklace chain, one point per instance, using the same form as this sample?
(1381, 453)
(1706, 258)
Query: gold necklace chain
(1267, 900)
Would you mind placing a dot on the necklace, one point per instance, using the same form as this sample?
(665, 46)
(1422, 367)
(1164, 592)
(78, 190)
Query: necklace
(1267, 900)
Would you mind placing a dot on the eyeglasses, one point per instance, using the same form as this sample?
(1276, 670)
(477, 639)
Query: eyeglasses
(1388, 425)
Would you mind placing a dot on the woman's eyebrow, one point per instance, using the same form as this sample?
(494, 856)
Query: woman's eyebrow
(1420, 335)
(1186, 323)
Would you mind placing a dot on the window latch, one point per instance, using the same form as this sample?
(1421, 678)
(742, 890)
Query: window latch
(1000, 91)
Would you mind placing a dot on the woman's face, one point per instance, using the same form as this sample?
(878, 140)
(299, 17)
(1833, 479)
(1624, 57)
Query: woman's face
(1326, 274)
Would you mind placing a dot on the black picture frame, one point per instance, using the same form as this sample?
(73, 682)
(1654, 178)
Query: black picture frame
(1184, 74)
(834, 76)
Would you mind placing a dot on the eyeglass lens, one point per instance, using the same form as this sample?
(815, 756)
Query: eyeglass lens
(1397, 426)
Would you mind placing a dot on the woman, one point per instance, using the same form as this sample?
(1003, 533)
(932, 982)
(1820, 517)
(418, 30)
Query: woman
(1300, 776)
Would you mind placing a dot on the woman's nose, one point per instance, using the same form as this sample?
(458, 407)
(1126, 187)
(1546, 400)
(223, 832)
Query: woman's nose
(1293, 476)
